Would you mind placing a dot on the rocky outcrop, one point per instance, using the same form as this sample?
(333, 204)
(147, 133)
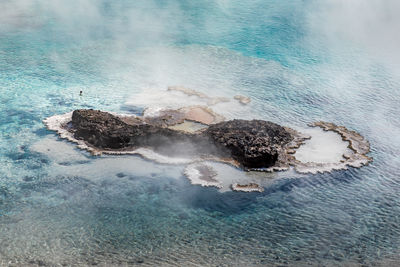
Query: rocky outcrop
(251, 187)
(202, 174)
(110, 132)
(253, 143)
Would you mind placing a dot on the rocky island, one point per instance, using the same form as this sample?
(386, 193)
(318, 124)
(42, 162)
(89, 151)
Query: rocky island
(195, 135)
(252, 143)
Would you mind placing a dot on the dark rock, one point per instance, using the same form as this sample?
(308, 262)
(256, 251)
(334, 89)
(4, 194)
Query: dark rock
(254, 144)
(120, 175)
(107, 131)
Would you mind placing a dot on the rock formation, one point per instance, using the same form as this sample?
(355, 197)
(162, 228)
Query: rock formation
(253, 143)
(251, 187)
(195, 134)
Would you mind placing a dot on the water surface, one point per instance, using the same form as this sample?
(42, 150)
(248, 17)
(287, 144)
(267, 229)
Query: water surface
(60, 205)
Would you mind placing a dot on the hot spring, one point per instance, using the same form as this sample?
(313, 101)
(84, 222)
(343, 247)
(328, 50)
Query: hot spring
(292, 63)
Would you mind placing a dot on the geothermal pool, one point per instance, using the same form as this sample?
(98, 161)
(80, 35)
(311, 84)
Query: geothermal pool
(299, 62)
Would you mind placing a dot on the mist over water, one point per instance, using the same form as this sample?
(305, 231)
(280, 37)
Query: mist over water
(299, 61)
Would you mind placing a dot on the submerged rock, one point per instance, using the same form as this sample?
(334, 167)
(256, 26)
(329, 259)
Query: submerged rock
(242, 99)
(252, 143)
(190, 92)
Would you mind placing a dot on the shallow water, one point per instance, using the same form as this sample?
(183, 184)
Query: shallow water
(323, 147)
(59, 205)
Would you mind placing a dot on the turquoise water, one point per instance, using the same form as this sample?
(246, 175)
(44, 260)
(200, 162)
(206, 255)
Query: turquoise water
(299, 61)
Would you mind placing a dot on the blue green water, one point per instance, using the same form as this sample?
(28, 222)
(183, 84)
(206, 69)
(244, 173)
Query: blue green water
(297, 60)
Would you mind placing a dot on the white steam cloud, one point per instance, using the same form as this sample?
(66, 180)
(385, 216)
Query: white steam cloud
(372, 24)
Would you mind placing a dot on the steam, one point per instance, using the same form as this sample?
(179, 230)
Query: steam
(142, 44)
(374, 25)
(323, 147)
